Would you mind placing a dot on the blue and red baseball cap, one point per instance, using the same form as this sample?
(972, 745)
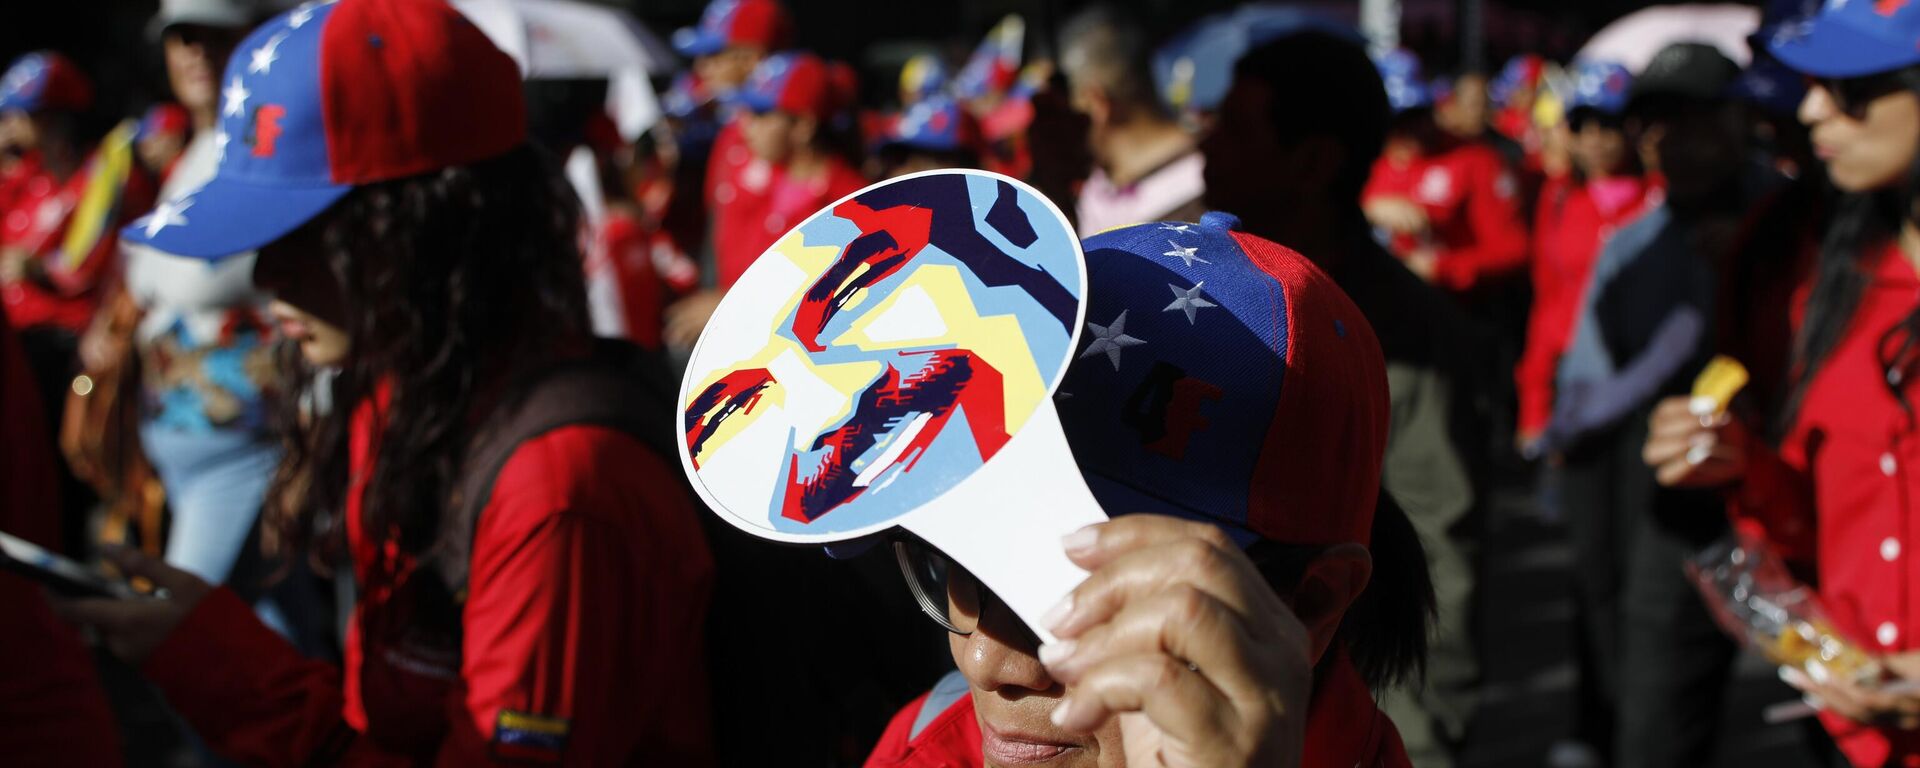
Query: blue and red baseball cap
(793, 81)
(995, 63)
(164, 119)
(333, 95)
(935, 124)
(1851, 38)
(1520, 72)
(1400, 73)
(729, 23)
(44, 80)
(1602, 86)
(1224, 378)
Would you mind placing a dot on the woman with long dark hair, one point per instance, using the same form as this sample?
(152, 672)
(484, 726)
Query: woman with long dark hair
(531, 579)
(1837, 492)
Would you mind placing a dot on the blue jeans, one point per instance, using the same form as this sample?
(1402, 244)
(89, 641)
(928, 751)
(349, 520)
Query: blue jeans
(215, 484)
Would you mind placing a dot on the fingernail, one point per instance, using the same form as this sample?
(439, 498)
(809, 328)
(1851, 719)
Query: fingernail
(1052, 654)
(1056, 617)
(1698, 454)
(1062, 714)
(1081, 541)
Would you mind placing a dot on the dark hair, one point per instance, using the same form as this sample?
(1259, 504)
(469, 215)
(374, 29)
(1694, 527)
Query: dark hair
(1861, 223)
(1385, 630)
(453, 281)
(1108, 47)
(1342, 98)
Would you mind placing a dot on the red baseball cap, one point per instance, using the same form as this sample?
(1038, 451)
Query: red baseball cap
(795, 82)
(333, 95)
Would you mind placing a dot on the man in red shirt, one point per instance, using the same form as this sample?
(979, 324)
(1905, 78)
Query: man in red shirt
(1451, 207)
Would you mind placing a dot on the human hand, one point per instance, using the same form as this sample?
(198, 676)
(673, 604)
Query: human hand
(133, 628)
(1894, 704)
(1177, 633)
(688, 317)
(1687, 449)
(1398, 215)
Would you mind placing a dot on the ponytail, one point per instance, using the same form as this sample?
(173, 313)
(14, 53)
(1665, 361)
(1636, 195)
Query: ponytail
(1387, 627)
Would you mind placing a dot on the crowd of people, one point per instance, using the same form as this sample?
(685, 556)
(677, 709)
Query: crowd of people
(357, 356)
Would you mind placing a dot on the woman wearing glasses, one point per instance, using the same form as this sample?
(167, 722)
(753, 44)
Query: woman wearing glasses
(1841, 492)
(1268, 584)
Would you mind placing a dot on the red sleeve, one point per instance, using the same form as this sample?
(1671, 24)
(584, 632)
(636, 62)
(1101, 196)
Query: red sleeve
(583, 641)
(1499, 239)
(1533, 376)
(254, 698)
(1775, 500)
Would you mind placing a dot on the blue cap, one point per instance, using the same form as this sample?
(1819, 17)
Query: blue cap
(1519, 72)
(726, 23)
(1194, 69)
(1851, 38)
(1400, 73)
(274, 170)
(44, 80)
(935, 124)
(1601, 86)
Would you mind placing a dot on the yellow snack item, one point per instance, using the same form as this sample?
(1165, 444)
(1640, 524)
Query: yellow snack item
(1716, 385)
(1817, 649)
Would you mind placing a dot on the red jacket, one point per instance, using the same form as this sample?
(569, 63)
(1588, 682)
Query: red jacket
(39, 212)
(1344, 728)
(755, 202)
(1843, 494)
(1570, 224)
(649, 269)
(581, 632)
(52, 709)
(1473, 212)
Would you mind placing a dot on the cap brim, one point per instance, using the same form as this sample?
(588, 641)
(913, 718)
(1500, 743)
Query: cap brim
(1831, 48)
(1119, 498)
(692, 42)
(226, 217)
(157, 28)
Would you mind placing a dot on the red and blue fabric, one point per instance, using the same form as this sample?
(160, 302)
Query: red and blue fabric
(44, 80)
(994, 64)
(1199, 341)
(936, 124)
(1600, 86)
(791, 82)
(729, 23)
(1520, 73)
(327, 97)
(1851, 38)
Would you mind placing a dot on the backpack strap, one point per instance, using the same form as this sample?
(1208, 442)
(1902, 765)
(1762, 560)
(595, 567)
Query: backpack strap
(620, 387)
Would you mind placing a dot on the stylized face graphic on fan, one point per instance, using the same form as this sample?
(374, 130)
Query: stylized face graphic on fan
(881, 353)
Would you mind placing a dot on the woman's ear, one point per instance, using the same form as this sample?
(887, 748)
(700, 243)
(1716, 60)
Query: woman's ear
(1333, 580)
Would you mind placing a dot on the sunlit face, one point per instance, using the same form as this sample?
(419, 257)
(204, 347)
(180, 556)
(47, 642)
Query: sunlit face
(1468, 109)
(18, 134)
(725, 71)
(1868, 146)
(308, 306)
(1013, 696)
(195, 57)
(769, 135)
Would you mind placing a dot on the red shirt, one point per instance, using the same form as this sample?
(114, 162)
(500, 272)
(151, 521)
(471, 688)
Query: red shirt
(1843, 494)
(648, 267)
(52, 709)
(37, 218)
(583, 618)
(1344, 728)
(1473, 212)
(1570, 224)
(755, 202)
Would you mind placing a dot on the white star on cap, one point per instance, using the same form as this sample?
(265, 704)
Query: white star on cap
(1187, 255)
(1111, 339)
(220, 140)
(168, 214)
(1180, 228)
(302, 14)
(264, 56)
(1188, 301)
(235, 96)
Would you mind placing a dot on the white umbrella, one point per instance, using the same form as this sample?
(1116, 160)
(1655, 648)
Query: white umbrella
(568, 39)
(1633, 39)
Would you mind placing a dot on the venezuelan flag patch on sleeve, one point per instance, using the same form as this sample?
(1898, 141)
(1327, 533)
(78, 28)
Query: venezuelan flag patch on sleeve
(529, 737)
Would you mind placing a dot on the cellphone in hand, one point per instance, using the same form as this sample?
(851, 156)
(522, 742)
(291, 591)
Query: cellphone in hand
(60, 574)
